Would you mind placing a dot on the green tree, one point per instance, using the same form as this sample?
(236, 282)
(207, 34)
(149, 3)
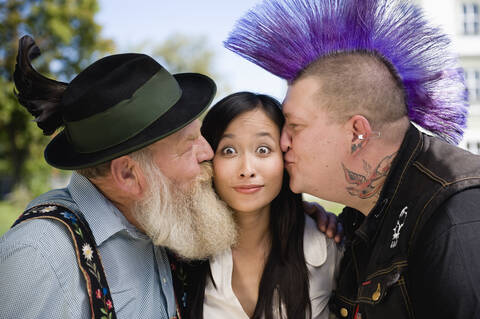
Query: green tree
(183, 53)
(70, 40)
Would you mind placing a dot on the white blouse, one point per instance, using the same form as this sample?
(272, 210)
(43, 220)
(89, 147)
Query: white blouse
(321, 255)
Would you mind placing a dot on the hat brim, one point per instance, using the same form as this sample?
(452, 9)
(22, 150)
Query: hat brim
(198, 92)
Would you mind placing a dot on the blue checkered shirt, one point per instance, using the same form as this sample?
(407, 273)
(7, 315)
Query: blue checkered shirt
(40, 278)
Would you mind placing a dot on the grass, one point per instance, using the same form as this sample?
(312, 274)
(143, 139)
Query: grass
(332, 207)
(8, 214)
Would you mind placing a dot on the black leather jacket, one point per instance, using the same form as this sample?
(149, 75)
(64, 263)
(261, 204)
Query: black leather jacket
(417, 254)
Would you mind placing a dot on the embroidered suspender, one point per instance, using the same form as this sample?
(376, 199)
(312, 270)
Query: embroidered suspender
(88, 258)
(189, 279)
(179, 284)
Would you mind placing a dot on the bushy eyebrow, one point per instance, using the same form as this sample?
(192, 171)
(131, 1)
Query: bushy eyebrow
(191, 134)
(293, 117)
(191, 137)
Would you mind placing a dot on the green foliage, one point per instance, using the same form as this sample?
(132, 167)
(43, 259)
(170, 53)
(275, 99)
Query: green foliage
(8, 214)
(70, 40)
(332, 207)
(183, 53)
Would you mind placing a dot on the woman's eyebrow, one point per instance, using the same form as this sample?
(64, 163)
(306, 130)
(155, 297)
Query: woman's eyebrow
(261, 134)
(228, 135)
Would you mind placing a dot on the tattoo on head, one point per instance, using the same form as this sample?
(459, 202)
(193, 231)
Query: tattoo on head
(369, 184)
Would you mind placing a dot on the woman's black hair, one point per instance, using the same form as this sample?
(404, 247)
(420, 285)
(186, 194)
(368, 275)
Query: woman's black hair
(285, 276)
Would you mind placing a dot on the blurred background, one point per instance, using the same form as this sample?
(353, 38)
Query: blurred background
(184, 36)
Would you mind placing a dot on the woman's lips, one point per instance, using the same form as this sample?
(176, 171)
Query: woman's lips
(248, 189)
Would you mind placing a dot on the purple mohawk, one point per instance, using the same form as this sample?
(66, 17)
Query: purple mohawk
(285, 36)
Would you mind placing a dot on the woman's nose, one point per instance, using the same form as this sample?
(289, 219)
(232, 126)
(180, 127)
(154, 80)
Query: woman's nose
(247, 169)
(247, 174)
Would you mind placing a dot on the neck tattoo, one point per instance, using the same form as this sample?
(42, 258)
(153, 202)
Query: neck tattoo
(368, 184)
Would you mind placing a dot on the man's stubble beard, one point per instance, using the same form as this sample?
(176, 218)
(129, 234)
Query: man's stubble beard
(194, 223)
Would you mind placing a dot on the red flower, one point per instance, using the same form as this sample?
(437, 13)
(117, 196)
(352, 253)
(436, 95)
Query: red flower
(109, 304)
(98, 294)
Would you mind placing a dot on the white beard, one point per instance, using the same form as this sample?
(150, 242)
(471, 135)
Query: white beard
(193, 223)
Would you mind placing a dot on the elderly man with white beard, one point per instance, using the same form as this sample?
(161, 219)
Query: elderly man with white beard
(96, 249)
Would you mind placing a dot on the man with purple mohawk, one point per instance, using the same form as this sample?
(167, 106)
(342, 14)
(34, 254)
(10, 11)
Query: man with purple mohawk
(359, 72)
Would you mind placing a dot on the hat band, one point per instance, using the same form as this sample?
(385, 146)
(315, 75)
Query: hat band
(127, 118)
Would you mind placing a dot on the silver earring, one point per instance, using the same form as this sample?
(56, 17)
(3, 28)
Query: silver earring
(361, 137)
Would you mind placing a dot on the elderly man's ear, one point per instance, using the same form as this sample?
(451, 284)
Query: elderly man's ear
(360, 130)
(128, 177)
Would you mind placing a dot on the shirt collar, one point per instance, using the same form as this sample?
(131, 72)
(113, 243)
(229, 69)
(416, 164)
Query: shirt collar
(314, 250)
(103, 218)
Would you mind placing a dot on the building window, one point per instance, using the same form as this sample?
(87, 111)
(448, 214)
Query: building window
(473, 146)
(472, 81)
(470, 19)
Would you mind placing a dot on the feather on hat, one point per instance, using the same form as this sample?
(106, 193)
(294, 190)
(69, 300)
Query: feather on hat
(285, 36)
(40, 95)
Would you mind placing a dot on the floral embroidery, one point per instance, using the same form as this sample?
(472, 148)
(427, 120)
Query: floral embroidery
(184, 299)
(179, 276)
(48, 209)
(87, 252)
(29, 212)
(73, 219)
(70, 216)
(104, 306)
(107, 303)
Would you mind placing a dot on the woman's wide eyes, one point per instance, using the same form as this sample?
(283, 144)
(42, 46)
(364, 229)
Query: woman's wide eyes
(263, 150)
(260, 150)
(228, 150)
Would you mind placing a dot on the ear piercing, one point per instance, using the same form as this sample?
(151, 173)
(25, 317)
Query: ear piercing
(373, 134)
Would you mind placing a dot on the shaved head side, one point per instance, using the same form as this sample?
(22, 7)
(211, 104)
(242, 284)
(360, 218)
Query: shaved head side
(358, 83)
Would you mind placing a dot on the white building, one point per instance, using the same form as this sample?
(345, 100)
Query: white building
(460, 19)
